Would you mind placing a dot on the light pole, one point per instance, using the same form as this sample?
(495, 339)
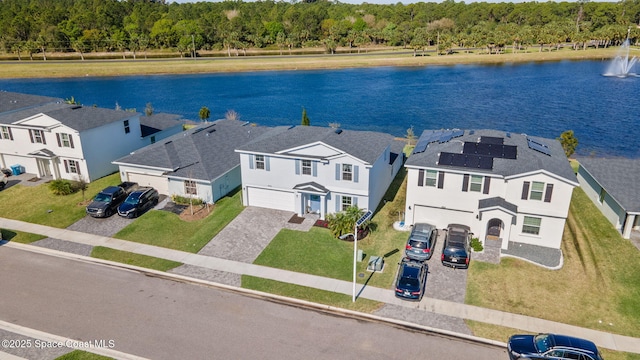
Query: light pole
(360, 221)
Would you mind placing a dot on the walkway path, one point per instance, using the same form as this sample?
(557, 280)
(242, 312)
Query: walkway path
(448, 308)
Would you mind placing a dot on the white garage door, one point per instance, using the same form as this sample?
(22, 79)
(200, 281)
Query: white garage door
(441, 217)
(159, 183)
(272, 199)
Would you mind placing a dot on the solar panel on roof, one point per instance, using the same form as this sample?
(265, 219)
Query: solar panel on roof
(534, 145)
(466, 160)
(492, 150)
(491, 140)
(458, 133)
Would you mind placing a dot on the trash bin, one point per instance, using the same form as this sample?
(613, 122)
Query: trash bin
(16, 169)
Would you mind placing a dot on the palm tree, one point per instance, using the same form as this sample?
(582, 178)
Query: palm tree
(204, 113)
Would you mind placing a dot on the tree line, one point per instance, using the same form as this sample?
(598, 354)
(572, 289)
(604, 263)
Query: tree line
(134, 26)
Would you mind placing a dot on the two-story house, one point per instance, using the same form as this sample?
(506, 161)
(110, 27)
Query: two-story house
(200, 162)
(506, 186)
(309, 169)
(51, 138)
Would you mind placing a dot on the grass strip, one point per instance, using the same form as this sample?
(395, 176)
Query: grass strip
(20, 237)
(125, 257)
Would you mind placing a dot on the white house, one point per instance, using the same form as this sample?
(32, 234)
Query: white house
(511, 187)
(50, 138)
(308, 169)
(613, 186)
(199, 163)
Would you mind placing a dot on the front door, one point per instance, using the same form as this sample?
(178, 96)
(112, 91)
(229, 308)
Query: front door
(43, 168)
(314, 204)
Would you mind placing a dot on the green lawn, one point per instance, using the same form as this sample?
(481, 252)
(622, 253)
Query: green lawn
(82, 355)
(126, 257)
(165, 229)
(36, 204)
(20, 237)
(597, 287)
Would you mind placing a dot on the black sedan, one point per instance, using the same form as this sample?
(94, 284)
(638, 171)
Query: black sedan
(412, 279)
(551, 346)
(456, 249)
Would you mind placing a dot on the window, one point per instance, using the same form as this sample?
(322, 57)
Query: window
(346, 202)
(347, 173)
(260, 162)
(5, 133)
(72, 166)
(537, 189)
(306, 167)
(430, 178)
(190, 187)
(126, 127)
(603, 194)
(476, 183)
(64, 140)
(531, 225)
(153, 139)
(37, 136)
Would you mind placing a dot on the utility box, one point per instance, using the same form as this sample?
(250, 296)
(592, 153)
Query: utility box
(376, 263)
(360, 255)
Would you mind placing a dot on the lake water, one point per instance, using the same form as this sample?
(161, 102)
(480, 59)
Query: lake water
(541, 99)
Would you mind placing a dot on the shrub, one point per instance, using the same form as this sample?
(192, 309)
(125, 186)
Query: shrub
(61, 187)
(476, 245)
(183, 200)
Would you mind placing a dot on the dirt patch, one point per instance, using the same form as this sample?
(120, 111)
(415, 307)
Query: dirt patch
(199, 212)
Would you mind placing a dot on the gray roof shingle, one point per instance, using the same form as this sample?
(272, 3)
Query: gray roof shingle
(204, 152)
(527, 161)
(364, 145)
(619, 178)
(152, 124)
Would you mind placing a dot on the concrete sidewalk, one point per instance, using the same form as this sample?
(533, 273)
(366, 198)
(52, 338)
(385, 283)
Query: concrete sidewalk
(463, 311)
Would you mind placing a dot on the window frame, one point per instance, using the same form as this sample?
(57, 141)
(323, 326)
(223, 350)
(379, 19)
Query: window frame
(538, 192)
(5, 133)
(346, 202)
(529, 228)
(38, 136)
(259, 162)
(127, 128)
(473, 183)
(65, 140)
(190, 187)
(430, 180)
(347, 172)
(306, 167)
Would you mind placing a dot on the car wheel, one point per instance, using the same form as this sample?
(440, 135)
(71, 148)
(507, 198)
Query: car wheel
(108, 213)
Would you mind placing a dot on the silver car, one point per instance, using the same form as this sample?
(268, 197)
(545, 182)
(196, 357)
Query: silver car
(421, 242)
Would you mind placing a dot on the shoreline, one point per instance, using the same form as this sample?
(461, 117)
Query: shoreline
(56, 68)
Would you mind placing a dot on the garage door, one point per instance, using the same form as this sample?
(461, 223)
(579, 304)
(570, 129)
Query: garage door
(272, 199)
(159, 183)
(441, 217)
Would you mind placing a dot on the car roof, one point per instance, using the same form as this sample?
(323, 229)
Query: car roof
(574, 343)
(110, 190)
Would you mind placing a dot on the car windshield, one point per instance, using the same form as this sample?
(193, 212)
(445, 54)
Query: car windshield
(455, 251)
(457, 237)
(132, 200)
(543, 342)
(419, 244)
(409, 283)
(102, 198)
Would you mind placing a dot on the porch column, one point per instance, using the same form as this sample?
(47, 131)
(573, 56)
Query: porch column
(56, 168)
(323, 206)
(628, 226)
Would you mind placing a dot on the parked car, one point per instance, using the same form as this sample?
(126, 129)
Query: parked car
(551, 346)
(412, 279)
(456, 248)
(421, 241)
(107, 201)
(3, 180)
(138, 202)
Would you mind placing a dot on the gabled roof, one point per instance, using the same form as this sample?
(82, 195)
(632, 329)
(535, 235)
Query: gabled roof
(364, 145)
(152, 124)
(527, 160)
(11, 102)
(203, 153)
(618, 177)
(81, 118)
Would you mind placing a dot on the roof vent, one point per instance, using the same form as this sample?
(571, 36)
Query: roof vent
(338, 131)
(76, 107)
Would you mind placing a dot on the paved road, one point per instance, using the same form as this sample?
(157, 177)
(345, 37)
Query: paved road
(162, 319)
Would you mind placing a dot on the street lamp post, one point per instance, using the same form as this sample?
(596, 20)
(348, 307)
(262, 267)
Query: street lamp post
(360, 221)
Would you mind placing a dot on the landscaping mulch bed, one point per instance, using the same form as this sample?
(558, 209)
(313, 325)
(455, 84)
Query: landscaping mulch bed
(199, 212)
(321, 223)
(174, 208)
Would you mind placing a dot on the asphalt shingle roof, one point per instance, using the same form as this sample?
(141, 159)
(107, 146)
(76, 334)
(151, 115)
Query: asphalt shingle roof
(204, 152)
(527, 161)
(157, 122)
(364, 145)
(619, 178)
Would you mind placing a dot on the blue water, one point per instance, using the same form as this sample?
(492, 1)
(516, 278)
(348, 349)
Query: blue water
(541, 99)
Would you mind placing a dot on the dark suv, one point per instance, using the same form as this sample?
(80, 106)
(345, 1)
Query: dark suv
(138, 202)
(106, 202)
(412, 279)
(421, 242)
(551, 346)
(456, 250)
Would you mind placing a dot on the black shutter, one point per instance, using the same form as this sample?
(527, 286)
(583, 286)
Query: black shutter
(421, 177)
(31, 135)
(465, 182)
(78, 167)
(71, 140)
(10, 134)
(58, 138)
(525, 190)
(548, 193)
(487, 181)
(44, 141)
(66, 166)
(440, 179)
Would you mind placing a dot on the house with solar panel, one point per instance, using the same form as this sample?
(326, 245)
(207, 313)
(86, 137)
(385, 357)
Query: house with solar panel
(50, 138)
(508, 188)
(310, 169)
(613, 186)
